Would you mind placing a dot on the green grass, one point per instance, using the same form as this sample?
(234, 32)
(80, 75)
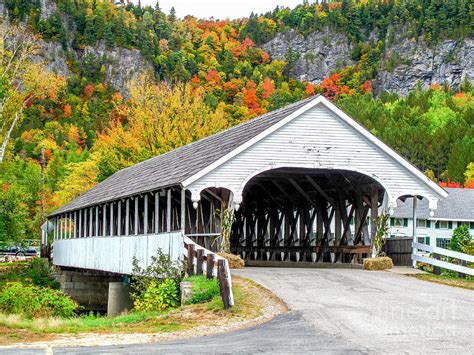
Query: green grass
(203, 290)
(87, 323)
(447, 280)
(15, 328)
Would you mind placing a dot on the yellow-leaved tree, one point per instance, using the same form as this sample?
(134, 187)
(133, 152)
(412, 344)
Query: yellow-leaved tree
(158, 118)
(21, 80)
(79, 178)
(469, 174)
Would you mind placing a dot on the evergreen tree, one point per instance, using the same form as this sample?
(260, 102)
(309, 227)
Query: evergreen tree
(109, 35)
(172, 16)
(89, 32)
(99, 23)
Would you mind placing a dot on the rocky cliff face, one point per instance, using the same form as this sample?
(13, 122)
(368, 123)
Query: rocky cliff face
(121, 65)
(449, 62)
(406, 62)
(318, 54)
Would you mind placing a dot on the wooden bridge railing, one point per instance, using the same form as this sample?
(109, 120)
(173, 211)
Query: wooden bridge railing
(437, 253)
(209, 241)
(202, 261)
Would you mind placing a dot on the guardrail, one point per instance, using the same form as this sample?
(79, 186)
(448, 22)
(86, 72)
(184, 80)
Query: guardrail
(202, 261)
(437, 263)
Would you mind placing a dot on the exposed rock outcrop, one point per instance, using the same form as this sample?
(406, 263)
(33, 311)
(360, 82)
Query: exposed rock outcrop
(406, 61)
(53, 57)
(121, 65)
(317, 55)
(449, 62)
(48, 8)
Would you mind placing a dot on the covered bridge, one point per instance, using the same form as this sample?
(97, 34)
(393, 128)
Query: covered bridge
(302, 183)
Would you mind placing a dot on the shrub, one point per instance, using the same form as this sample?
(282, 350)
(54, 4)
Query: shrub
(158, 296)
(203, 289)
(156, 287)
(235, 261)
(461, 240)
(41, 274)
(34, 301)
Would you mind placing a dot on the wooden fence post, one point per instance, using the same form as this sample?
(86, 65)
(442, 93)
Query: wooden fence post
(436, 269)
(190, 259)
(224, 283)
(210, 266)
(199, 261)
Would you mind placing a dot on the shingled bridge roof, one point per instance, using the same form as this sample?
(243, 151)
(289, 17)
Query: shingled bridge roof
(176, 166)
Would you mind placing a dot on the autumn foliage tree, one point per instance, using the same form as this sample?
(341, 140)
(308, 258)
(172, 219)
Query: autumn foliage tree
(21, 81)
(159, 118)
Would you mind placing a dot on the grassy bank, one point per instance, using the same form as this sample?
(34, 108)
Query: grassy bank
(447, 280)
(14, 329)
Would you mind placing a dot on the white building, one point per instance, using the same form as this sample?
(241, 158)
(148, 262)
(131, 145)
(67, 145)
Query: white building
(453, 211)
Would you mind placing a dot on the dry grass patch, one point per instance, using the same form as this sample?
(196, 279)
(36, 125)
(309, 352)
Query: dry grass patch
(252, 302)
(379, 263)
(446, 280)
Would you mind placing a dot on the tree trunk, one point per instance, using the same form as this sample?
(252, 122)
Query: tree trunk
(7, 137)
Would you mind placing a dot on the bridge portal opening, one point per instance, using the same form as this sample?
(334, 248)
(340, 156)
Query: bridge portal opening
(307, 215)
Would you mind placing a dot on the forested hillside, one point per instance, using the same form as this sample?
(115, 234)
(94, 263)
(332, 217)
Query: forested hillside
(89, 87)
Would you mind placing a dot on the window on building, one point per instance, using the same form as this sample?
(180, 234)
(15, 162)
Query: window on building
(444, 225)
(423, 223)
(424, 240)
(399, 222)
(469, 225)
(442, 243)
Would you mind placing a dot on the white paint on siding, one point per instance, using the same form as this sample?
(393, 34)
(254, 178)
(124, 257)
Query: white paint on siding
(317, 139)
(115, 254)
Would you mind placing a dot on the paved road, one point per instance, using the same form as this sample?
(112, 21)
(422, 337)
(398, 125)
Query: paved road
(342, 311)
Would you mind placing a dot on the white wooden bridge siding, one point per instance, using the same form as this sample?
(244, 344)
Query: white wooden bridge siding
(316, 139)
(115, 254)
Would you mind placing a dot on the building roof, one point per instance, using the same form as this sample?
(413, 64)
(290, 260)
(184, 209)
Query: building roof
(459, 205)
(176, 166)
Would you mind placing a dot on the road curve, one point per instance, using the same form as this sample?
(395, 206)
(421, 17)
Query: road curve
(340, 311)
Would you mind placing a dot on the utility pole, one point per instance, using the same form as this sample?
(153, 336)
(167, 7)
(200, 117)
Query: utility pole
(44, 234)
(43, 166)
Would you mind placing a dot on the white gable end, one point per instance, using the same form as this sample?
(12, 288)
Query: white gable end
(320, 139)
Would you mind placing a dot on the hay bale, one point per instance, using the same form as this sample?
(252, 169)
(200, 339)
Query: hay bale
(380, 263)
(235, 261)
